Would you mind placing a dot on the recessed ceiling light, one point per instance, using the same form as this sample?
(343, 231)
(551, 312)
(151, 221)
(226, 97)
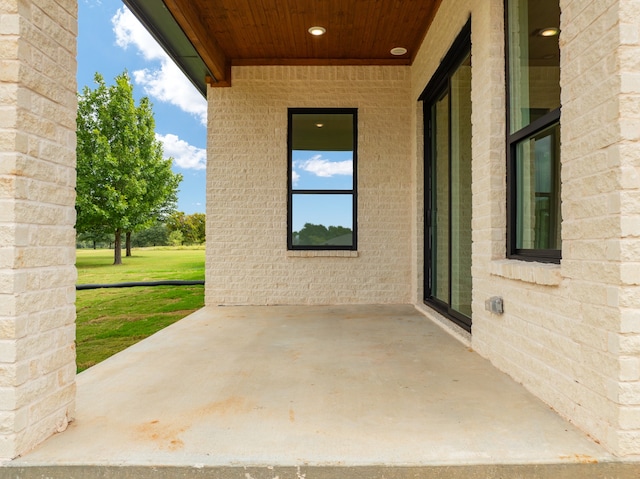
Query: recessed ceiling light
(319, 125)
(549, 32)
(317, 31)
(398, 51)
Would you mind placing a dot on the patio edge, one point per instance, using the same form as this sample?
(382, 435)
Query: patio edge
(614, 469)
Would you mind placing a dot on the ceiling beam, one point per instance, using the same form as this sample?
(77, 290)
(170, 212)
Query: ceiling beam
(189, 20)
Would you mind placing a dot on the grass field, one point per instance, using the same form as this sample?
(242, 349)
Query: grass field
(110, 320)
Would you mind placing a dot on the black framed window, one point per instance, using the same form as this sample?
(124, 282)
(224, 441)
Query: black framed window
(322, 176)
(533, 130)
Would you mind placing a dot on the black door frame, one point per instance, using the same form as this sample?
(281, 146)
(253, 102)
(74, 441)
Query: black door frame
(435, 89)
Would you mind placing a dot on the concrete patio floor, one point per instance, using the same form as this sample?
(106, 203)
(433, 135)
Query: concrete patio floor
(256, 390)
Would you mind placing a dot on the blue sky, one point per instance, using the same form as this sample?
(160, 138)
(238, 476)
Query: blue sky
(111, 40)
(322, 170)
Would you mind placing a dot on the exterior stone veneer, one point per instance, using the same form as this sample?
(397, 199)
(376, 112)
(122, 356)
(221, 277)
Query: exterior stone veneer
(570, 332)
(37, 215)
(247, 257)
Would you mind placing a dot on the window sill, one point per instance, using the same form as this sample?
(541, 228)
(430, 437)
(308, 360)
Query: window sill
(322, 254)
(546, 274)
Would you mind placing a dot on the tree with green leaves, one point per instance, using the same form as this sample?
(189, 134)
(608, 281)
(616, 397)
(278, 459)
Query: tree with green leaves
(312, 234)
(155, 235)
(197, 225)
(124, 183)
(191, 227)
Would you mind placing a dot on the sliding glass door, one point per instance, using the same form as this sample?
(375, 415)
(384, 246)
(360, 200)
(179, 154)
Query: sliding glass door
(447, 110)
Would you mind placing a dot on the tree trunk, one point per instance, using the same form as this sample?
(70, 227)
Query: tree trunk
(128, 243)
(117, 249)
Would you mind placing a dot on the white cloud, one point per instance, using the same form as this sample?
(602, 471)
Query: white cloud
(129, 31)
(325, 168)
(185, 155)
(295, 177)
(166, 83)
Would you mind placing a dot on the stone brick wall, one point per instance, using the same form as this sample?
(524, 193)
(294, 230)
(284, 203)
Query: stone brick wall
(247, 257)
(37, 239)
(624, 157)
(571, 332)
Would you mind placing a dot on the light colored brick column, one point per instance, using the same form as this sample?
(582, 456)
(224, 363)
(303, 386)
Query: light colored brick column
(601, 203)
(626, 344)
(37, 215)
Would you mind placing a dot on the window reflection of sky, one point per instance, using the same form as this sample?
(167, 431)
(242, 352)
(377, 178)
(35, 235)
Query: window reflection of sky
(322, 170)
(327, 210)
(325, 170)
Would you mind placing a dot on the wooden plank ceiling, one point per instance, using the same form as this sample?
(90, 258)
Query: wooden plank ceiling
(275, 32)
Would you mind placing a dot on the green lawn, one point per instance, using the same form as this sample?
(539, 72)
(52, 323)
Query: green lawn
(110, 320)
(145, 264)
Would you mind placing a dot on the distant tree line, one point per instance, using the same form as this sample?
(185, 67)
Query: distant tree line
(177, 230)
(318, 235)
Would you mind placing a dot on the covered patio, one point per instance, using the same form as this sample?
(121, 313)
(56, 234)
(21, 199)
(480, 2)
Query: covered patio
(310, 392)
